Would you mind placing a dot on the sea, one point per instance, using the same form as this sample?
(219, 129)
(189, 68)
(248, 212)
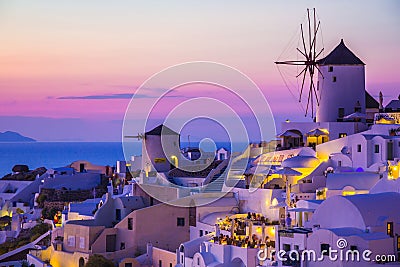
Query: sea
(60, 154)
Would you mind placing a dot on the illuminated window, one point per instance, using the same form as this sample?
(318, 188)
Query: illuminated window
(389, 229)
(358, 148)
(341, 135)
(398, 243)
(376, 148)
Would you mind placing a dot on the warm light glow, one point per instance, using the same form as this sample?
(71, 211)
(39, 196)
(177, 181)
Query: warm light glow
(393, 172)
(271, 231)
(348, 193)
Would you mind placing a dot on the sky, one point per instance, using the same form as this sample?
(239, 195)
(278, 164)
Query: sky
(69, 68)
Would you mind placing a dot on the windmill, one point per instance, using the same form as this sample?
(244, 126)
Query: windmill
(309, 54)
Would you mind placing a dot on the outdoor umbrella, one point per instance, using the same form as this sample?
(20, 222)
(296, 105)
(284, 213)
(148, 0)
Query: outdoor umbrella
(354, 116)
(316, 132)
(288, 172)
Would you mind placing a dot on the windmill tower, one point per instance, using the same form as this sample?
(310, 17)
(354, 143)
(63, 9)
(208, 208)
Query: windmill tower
(343, 90)
(333, 85)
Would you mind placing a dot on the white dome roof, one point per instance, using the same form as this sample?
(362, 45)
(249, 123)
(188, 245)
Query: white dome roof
(301, 162)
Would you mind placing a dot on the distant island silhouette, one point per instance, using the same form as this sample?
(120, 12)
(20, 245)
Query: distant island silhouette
(10, 136)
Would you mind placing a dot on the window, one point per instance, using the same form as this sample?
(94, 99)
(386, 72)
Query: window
(71, 241)
(341, 135)
(201, 233)
(180, 221)
(376, 148)
(198, 261)
(170, 265)
(389, 229)
(398, 243)
(130, 223)
(160, 263)
(81, 242)
(118, 215)
(330, 68)
(353, 248)
(325, 249)
(122, 246)
(334, 79)
(358, 148)
(128, 264)
(286, 247)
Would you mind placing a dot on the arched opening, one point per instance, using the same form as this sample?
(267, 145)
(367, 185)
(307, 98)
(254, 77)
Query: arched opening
(237, 262)
(81, 262)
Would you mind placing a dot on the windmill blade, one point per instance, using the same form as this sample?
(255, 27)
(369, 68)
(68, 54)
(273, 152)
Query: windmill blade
(304, 43)
(302, 84)
(309, 27)
(301, 52)
(319, 53)
(311, 71)
(315, 32)
(291, 62)
(138, 136)
(305, 68)
(308, 102)
(315, 36)
(314, 92)
(320, 72)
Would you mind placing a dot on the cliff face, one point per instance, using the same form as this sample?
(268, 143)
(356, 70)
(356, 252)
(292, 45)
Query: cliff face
(9, 136)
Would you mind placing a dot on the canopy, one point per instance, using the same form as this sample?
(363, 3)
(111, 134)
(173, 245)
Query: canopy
(301, 210)
(279, 205)
(355, 115)
(289, 133)
(288, 172)
(316, 132)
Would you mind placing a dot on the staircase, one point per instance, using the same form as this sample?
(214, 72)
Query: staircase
(217, 182)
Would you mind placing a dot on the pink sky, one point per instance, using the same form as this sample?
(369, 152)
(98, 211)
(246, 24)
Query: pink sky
(61, 49)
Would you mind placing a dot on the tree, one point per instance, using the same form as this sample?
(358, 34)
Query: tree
(98, 261)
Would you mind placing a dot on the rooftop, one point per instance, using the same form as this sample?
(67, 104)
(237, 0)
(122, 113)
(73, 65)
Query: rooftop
(161, 130)
(341, 55)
